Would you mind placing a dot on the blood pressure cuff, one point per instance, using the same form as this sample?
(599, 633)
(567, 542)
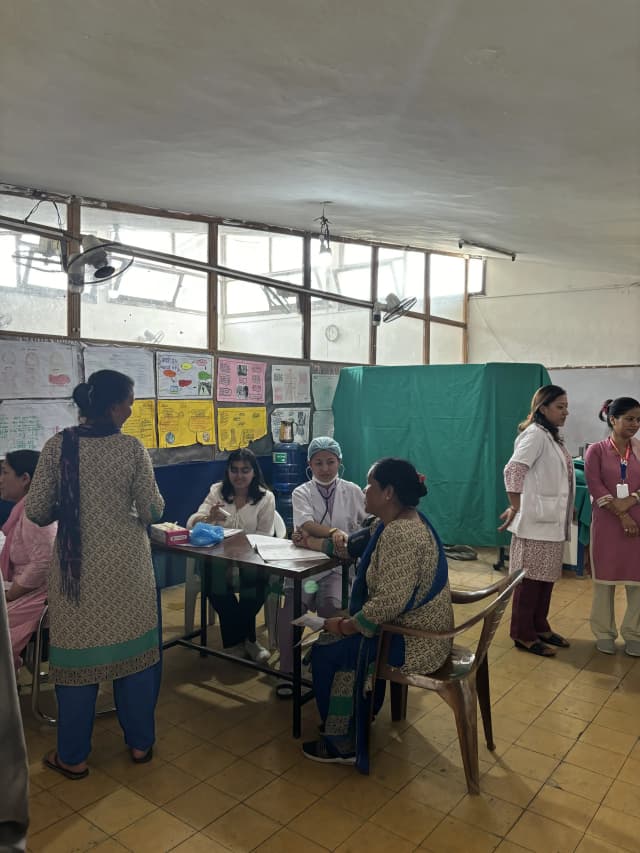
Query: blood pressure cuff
(359, 539)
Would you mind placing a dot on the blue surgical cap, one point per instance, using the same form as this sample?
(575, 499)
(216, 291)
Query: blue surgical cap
(324, 442)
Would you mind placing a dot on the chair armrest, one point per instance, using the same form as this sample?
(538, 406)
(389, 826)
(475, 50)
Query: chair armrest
(469, 596)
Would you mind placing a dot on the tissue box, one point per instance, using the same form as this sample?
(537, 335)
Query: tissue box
(169, 534)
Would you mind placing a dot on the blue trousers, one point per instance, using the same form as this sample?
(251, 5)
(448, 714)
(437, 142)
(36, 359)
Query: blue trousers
(135, 697)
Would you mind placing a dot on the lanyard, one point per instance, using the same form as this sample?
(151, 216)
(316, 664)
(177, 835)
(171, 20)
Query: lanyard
(624, 460)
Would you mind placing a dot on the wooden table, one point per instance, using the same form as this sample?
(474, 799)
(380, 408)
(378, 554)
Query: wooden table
(237, 550)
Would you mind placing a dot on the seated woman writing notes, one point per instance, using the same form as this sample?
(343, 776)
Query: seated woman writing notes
(402, 578)
(326, 506)
(241, 500)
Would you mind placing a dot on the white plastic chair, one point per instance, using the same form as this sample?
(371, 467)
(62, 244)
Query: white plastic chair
(271, 605)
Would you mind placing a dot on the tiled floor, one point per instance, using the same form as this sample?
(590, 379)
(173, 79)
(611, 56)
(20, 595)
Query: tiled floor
(228, 776)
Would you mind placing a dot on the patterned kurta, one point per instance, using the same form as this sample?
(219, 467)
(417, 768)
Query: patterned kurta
(541, 560)
(406, 557)
(113, 630)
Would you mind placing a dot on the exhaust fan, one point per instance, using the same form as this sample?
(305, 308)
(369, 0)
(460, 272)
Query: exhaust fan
(391, 309)
(97, 263)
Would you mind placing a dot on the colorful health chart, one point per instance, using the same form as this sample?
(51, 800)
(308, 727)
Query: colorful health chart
(142, 422)
(185, 422)
(238, 427)
(184, 376)
(240, 381)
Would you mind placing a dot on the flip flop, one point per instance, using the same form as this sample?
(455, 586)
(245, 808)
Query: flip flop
(144, 759)
(535, 649)
(555, 640)
(53, 764)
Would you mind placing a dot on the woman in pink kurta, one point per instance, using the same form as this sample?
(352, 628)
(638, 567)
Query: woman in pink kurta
(26, 554)
(612, 470)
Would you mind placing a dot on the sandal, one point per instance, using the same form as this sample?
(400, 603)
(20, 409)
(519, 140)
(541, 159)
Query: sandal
(535, 649)
(51, 761)
(555, 640)
(143, 759)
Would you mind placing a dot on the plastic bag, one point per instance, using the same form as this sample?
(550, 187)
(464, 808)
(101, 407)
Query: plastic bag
(204, 534)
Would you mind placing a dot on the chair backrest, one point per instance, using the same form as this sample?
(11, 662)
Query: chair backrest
(279, 527)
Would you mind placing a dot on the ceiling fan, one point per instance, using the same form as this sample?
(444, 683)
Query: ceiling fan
(391, 309)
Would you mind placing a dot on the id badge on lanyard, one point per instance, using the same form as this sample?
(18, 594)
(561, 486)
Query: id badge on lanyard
(622, 488)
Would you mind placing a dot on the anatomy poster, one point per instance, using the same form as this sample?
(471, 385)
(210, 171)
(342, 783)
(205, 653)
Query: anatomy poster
(290, 383)
(240, 381)
(38, 369)
(184, 376)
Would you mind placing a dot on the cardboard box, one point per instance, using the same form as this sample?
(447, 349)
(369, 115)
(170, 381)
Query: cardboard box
(173, 535)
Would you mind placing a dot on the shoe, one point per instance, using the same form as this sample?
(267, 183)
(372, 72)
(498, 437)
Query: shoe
(238, 651)
(536, 648)
(632, 648)
(317, 750)
(256, 652)
(607, 647)
(52, 761)
(143, 759)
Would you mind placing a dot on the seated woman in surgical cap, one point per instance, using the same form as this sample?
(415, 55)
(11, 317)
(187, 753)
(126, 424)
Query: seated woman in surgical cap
(326, 506)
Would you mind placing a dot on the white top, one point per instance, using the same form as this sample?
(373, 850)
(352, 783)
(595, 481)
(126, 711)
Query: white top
(252, 518)
(543, 503)
(348, 508)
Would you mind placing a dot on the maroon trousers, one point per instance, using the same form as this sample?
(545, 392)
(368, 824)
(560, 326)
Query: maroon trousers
(530, 609)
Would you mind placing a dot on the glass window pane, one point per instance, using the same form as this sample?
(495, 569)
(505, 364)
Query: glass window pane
(445, 344)
(19, 208)
(146, 304)
(348, 271)
(174, 236)
(339, 332)
(446, 286)
(475, 277)
(401, 273)
(400, 342)
(32, 299)
(264, 320)
(261, 252)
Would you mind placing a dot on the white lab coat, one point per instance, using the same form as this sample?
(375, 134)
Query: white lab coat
(252, 518)
(543, 503)
(348, 509)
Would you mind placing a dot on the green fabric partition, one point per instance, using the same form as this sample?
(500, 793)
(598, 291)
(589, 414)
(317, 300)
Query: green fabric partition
(456, 423)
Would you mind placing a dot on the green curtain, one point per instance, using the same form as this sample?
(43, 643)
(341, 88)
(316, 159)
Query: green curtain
(456, 423)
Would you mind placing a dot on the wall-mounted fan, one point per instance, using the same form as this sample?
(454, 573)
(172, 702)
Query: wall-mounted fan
(97, 263)
(391, 309)
(43, 255)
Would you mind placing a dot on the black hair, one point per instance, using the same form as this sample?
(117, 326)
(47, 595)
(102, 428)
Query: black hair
(257, 487)
(103, 389)
(543, 397)
(616, 408)
(407, 484)
(23, 461)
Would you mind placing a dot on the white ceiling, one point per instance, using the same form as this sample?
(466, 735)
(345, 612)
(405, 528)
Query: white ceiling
(511, 122)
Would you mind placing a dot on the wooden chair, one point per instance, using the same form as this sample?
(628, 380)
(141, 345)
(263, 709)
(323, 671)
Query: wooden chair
(463, 680)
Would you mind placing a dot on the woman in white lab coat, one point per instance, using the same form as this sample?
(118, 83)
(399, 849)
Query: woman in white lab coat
(326, 506)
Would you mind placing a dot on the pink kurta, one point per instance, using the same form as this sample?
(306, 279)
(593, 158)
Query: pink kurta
(615, 558)
(25, 560)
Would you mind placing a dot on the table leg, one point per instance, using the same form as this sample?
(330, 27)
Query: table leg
(297, 659)
(204, 614)
(345, 585)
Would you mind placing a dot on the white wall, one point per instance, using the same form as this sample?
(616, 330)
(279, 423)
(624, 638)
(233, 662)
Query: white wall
(556, 316)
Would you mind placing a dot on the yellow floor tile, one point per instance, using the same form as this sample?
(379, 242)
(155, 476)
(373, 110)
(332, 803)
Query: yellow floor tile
(163, 784)
(614, 741)
(117, 810)
(204, 761)
(71, 833)
(564, 807)
(278, 755)
(619, 722)
(571, 727)
(573, 707)
(407, 818)
(241, 829)
(528, 763)
(616, 828)
(109, 846)
(314, 777)
(386, 769)
(630, 771)
(548, 743)
(175, 741)
(241, 779)
(505, 784)
(488, 813)
(510, 847)
(374, 839)
(155, 833)
(590, 844)
(201, 805)
(595, 758)
(281, 801)
(94, 787)
(359, 794)
(45, 809)
(287, 841)
(624, 797)
(577, 780)
(199, 843)
(453, 836)
(543, 836)
(326, 824)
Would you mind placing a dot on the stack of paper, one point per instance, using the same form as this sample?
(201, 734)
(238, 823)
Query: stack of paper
(277, 550)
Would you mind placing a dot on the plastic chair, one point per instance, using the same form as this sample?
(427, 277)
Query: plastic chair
(40, 647)
(463, 680)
